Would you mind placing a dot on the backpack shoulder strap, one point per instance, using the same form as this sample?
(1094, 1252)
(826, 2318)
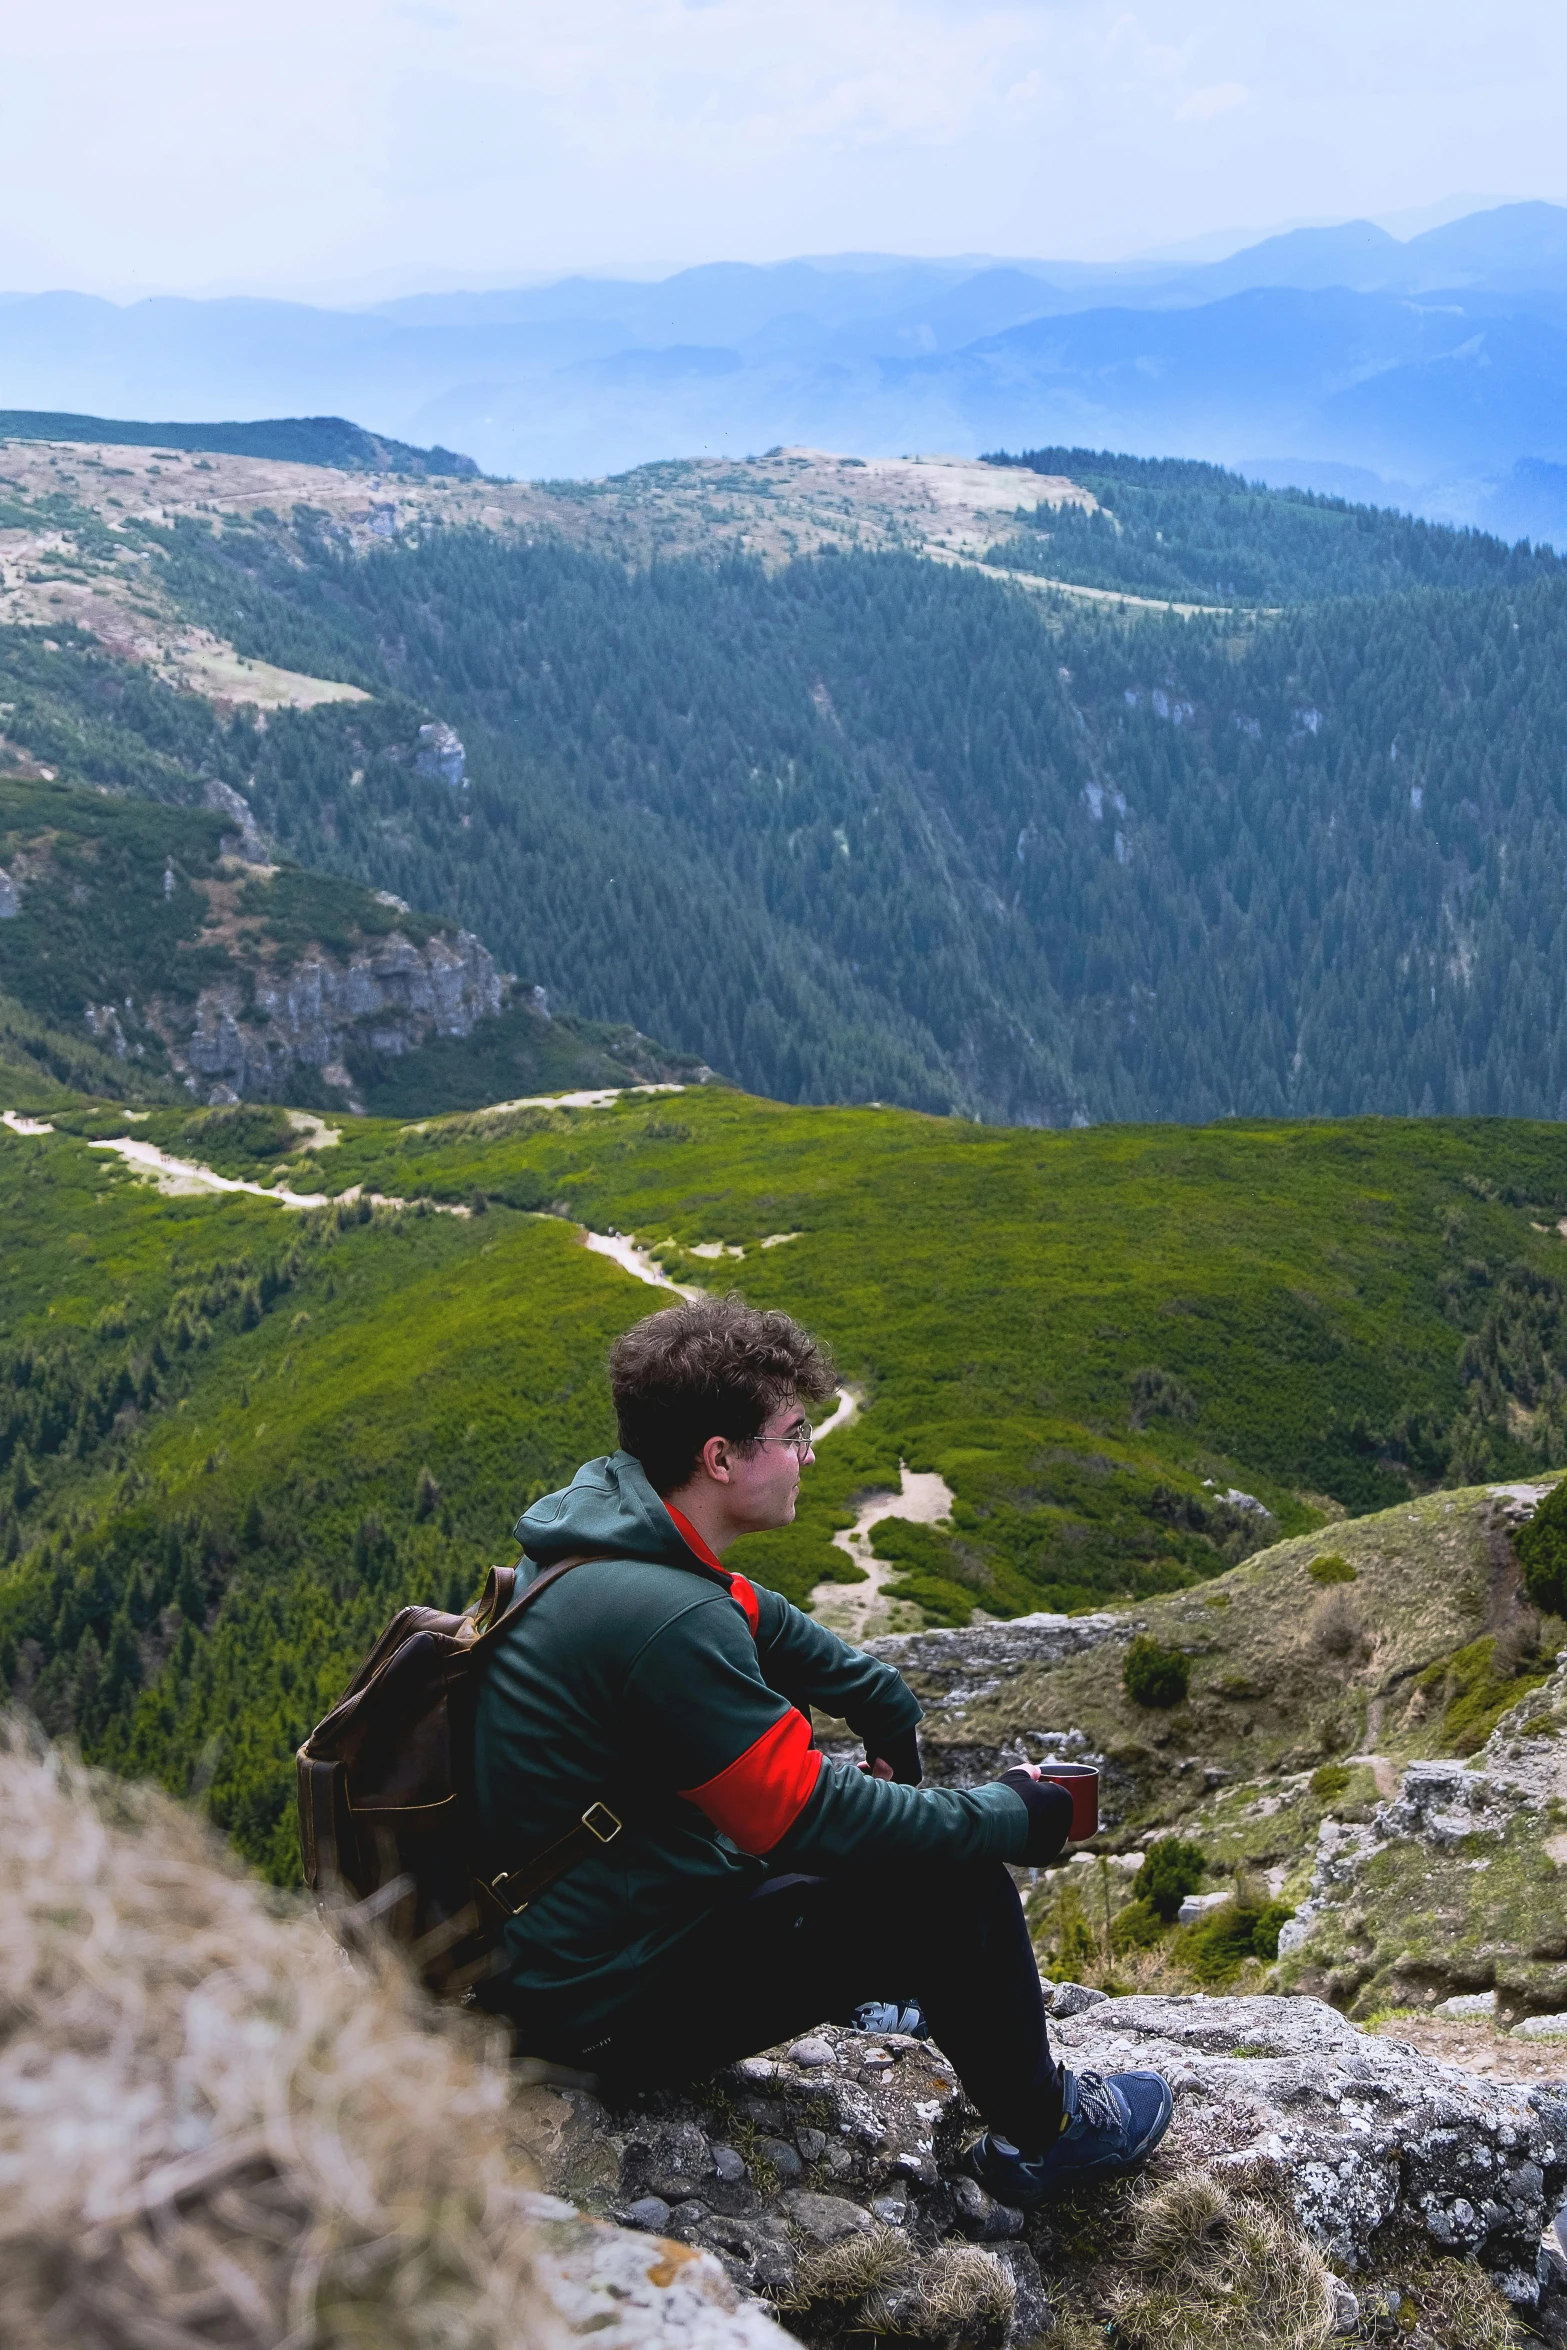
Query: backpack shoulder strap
(502, 1894)
(501, 1603)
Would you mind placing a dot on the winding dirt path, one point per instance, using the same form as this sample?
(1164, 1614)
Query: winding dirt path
(183, 1178)
(862, 1611)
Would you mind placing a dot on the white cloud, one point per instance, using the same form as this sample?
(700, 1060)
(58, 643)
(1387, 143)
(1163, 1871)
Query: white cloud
(1207, 105)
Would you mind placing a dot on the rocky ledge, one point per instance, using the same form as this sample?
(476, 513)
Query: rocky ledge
(1455, 1886)
(825, 2176)
(248, 1036)
(953, 1669)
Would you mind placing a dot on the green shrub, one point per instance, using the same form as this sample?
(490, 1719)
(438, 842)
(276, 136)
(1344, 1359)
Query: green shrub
(1154, 1675)
(1542, 1552)
(1156, 1396)
(1071, 1944)
(1171, 1869)
(1217, 1946)
(1330, 1568)
(1330, 1782)
(248, 1130)
(1138, 1927)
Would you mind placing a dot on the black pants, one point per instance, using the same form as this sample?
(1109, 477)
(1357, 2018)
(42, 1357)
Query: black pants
(809, 1950)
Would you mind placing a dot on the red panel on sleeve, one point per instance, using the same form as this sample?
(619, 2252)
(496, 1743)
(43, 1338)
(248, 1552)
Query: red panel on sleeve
(756, 1801)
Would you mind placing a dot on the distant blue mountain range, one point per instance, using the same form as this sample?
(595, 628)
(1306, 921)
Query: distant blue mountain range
(1430, 373)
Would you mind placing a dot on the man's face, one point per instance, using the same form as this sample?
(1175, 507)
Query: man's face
(764, 1478)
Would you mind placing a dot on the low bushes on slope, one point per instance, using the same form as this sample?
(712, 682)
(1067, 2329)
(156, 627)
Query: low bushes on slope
(993, 1293)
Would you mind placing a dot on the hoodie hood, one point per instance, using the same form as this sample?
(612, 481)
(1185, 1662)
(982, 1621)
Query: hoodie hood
(609, 1507)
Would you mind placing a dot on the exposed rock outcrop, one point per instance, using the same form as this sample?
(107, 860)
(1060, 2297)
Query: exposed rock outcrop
(1455, 1885)
(440, 755)
(954, 1670)
(246, 839)
(246, 1040)
(1383, 2159)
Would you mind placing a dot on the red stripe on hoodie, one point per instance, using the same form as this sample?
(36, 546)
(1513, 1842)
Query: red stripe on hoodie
(756, 1801)
(740, 1590)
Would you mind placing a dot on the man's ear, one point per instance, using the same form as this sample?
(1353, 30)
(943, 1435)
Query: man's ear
(714, 1458)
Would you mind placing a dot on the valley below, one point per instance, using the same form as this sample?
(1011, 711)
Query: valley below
(1081, 934)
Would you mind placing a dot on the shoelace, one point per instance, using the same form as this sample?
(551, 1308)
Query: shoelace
(1096, 2102)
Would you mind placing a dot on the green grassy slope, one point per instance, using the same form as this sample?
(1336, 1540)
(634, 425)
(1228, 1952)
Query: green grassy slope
(215, 1414)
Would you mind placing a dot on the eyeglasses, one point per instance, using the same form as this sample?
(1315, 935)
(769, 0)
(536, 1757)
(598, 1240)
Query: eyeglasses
(798, 1439)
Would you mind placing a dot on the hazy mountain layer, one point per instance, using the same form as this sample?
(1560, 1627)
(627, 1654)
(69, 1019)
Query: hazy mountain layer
(1437, 365)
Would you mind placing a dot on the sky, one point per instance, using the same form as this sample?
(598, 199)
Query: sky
(343, 148)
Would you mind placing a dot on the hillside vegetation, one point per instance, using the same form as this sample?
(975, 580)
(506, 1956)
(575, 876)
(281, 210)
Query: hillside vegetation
(945, 852)
(134, 929)
(1167, 526)
(235, 1435)
(299, 440)
(864, 825)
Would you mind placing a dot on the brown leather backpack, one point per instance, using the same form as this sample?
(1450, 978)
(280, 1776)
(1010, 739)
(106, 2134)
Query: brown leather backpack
(388, 1827)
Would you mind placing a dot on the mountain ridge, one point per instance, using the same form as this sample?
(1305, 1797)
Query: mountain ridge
(593, 375)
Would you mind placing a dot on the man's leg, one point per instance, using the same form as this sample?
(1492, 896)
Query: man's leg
(802, 1951)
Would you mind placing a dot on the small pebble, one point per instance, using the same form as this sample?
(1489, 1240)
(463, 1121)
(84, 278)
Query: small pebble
(650, 2212)
(813, 2052)
(812, 2144)
(785, 2161)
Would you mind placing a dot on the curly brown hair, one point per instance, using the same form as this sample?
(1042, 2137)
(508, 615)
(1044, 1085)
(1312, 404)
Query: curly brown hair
(716, 1367)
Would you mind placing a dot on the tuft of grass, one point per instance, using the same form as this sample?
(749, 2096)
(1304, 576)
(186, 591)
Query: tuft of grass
(880, 2283)
(1330, 1568)
(300, 2151)
(1456, 2307)
(1210, 2268)
(1474, 1687)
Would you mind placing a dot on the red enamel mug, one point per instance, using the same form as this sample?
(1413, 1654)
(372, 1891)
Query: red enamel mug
(1081, 1782)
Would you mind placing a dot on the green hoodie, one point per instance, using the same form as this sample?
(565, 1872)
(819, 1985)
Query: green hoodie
(654, 1680)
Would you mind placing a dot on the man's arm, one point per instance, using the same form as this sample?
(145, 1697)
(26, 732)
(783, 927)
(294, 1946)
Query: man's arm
(706, 1724)
(811, 1665)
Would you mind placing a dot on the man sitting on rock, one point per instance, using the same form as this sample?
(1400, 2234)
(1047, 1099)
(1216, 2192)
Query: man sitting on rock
(755, 1888)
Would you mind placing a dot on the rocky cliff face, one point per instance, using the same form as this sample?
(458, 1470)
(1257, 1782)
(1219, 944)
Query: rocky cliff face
(250, 1034)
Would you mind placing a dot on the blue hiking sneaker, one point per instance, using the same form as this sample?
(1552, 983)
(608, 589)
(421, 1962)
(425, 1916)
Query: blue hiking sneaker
(892, 2015)
(1110, 2123)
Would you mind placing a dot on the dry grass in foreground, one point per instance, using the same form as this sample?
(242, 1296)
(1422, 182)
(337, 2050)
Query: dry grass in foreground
(212, 2131)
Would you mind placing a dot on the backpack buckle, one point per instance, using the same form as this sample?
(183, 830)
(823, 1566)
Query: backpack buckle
(592, 1818)
(498, 1890)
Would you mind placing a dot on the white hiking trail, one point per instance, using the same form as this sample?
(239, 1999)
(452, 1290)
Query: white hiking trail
(623, 1249)
(185, 1178)
(861, 1611)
